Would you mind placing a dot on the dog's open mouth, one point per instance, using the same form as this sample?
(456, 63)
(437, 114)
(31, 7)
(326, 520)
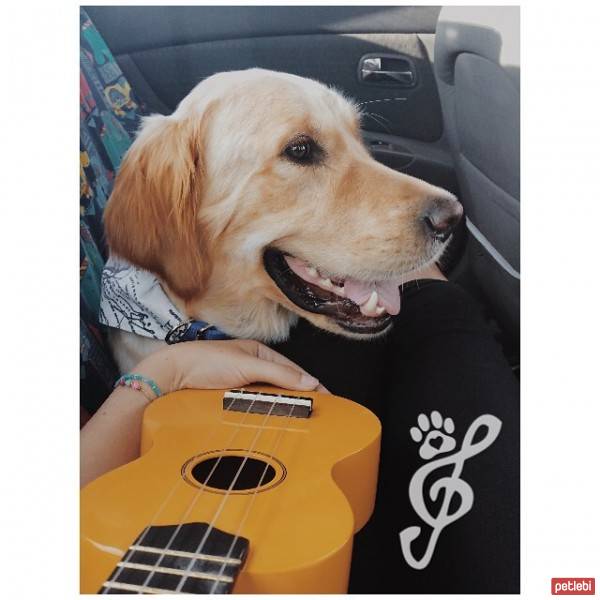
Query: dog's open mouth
(355, 305)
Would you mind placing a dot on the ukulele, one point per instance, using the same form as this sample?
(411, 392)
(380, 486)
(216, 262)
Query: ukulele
(244, 491)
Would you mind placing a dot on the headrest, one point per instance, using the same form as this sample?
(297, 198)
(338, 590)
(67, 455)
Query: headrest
(492, 32)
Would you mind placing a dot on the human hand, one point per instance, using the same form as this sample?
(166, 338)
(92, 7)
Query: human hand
(223, 364)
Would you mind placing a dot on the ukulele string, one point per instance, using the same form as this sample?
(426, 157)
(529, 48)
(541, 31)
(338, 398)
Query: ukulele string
(204, 540)
(197, 496)
(250, 503)
(154, 518)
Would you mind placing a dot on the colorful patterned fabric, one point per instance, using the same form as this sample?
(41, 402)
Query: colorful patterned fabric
(109, 116)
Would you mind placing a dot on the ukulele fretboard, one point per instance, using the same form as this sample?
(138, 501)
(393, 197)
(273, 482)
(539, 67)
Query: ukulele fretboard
(190, 558)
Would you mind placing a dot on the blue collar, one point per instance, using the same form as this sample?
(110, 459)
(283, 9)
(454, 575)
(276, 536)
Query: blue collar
(192, 330)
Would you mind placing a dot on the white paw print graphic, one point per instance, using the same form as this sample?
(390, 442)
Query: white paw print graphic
(435, 442)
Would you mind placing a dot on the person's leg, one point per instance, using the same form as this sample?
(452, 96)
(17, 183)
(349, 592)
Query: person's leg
(447, 513)
(352, 369)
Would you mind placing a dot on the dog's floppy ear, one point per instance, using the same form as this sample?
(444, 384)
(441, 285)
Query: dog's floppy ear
(151, 218)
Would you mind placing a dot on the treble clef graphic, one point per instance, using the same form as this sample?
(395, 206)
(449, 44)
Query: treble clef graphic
(450, 485)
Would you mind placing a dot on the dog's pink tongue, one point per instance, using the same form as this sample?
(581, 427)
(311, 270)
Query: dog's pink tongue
(388, 293)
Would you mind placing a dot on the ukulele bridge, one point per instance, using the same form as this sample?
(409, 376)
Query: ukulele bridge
(263, 403)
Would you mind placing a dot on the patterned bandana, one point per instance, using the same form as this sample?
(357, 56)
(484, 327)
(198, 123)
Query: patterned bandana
(133, 300)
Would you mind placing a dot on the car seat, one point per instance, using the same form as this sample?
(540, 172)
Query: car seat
(477, 68)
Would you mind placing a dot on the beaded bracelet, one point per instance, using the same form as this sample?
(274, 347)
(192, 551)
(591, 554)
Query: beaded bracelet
(135, 381)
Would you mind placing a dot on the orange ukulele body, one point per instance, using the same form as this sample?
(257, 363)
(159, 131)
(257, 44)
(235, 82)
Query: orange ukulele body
(316, 488)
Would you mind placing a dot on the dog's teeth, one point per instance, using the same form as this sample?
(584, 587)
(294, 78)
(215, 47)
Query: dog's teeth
(380, 310)
(312, 271)
(341, 291)
(326, 283)
(371, 304)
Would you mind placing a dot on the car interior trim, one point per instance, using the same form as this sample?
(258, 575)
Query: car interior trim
(492, 251)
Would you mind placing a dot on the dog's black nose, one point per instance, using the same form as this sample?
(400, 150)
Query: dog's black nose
(441, 216)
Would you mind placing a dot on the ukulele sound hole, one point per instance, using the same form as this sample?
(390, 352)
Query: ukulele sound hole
(231, 472)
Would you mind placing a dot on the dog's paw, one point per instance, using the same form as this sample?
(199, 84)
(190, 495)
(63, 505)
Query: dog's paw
(436, 442)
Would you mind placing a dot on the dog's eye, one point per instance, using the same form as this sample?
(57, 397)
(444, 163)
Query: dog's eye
(299, 151)
(303, 151)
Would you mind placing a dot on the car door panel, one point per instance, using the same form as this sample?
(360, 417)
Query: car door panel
(173, 71)
(165, 51)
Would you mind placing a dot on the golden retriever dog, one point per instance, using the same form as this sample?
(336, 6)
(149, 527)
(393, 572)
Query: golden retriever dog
(256, 203)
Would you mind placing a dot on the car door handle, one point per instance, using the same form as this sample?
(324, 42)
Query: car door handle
(372, 70)
(401, 76)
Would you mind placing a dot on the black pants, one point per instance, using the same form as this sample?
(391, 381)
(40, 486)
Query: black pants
(447, 512)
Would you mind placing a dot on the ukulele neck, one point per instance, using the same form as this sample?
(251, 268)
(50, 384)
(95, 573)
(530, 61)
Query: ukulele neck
(193, 558)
